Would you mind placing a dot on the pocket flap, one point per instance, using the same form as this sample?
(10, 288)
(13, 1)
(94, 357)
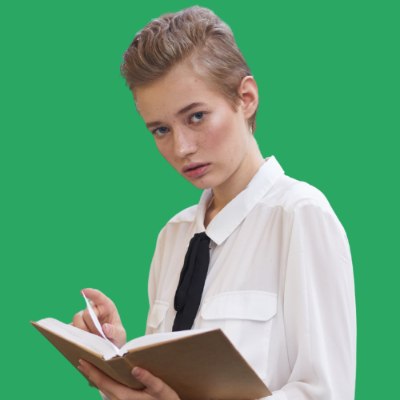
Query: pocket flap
(157, 313)
(252, 305)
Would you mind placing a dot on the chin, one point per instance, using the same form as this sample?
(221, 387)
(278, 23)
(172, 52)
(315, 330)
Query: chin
(201, 183)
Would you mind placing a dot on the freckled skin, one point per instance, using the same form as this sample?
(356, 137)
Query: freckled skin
(217, 135)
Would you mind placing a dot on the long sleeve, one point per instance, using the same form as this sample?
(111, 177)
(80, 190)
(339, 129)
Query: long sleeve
(319, 309)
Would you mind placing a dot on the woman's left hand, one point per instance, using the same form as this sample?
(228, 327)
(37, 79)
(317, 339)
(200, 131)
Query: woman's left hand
(155, 388)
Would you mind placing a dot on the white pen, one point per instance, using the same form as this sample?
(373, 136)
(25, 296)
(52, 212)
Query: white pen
(96, 322)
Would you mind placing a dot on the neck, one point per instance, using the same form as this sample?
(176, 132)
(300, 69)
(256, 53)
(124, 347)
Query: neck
(249, 166)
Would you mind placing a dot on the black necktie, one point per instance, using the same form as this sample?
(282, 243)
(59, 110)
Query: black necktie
(191, 281)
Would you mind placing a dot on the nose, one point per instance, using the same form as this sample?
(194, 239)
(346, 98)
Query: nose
(184, 143)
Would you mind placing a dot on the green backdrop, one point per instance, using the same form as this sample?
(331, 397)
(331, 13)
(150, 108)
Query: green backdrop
(84, 192)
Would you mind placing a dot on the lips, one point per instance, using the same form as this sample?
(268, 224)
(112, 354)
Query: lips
(195, 170)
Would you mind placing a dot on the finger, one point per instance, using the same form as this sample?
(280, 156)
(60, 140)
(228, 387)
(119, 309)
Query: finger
(112, 331)
(154, 386)
(79, 322)
(108, 386)
(98, 298)
(89, 322)
(107, 313)
(103, 305)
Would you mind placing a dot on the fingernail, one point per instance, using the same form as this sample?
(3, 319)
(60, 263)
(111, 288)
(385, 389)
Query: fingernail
(82, 363)
(136, 372)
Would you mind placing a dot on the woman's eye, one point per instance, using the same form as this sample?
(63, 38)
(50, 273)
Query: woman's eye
(197, 117)
(160, 131)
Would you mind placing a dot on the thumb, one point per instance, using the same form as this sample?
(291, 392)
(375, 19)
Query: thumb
(114, 333)
(109, 330)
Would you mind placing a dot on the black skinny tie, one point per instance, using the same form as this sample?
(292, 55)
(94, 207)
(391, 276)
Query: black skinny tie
(191, 281)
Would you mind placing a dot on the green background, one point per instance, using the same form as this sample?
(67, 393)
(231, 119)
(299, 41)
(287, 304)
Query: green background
(84, 192)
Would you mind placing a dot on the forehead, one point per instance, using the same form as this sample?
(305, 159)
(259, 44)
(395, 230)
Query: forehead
(178, 88)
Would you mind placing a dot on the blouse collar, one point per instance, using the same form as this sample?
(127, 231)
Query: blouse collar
(230, 217)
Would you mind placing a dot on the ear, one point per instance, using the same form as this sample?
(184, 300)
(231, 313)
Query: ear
(248, 93)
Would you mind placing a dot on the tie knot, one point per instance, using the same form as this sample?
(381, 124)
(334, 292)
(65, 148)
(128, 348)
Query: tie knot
(202, 236)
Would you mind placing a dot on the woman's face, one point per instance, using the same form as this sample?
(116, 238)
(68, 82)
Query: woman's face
(195, 128)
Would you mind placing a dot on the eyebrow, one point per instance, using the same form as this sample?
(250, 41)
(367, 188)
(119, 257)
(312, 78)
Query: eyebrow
(180, 112)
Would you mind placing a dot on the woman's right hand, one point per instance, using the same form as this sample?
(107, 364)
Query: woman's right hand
(107, 314)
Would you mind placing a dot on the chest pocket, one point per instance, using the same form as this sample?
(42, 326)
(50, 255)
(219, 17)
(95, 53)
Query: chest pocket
(156, 319)
(246, 317)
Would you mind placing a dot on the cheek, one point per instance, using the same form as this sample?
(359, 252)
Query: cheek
(224, 135)
(165, 150)
(219, 131)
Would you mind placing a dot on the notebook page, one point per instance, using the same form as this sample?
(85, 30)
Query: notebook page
(85, 339)
(159, 338)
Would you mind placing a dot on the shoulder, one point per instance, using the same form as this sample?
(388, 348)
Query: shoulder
(292, 195)
(187, 215)
(179, 224)
(306, 206)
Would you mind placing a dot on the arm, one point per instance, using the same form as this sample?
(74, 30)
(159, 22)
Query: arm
(319, 309)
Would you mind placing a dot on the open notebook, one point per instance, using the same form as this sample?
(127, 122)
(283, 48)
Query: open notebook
(197, 364)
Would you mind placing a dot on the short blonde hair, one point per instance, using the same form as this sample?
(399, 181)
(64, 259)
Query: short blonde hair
(195, 33)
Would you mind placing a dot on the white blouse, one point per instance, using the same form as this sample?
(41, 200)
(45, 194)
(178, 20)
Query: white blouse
(280, 284)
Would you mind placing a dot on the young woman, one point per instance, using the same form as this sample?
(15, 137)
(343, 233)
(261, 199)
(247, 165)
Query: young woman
(275, 258)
